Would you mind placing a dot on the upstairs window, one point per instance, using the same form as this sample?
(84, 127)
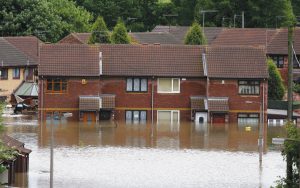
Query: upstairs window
(168, 85)
(16, 73)
(137, 85)
(278, 60)
(247, 87)
(3, 74)
(57, 85)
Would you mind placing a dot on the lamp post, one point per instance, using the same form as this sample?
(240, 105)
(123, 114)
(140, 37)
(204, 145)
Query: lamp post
(260, 131)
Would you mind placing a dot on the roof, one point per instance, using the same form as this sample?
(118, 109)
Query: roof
(27, 89)
(218, 104)
(152, 60)
(244, 36)
(89, 103)
(76, 38)
(12, 56)
(236, 62)
(154, 37)
(179, 32)
(29, 45)
(13, 143)
(198, 103)
(69, 60)
(279, 43)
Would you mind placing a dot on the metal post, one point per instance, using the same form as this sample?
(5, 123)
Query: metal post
(243, 19)
(260, 141)
(234, 20)
(51, 157)
(152, 106)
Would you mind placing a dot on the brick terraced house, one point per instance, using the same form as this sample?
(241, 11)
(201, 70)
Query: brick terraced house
(145, 83)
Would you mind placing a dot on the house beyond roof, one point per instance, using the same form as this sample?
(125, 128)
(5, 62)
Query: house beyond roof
(13, 52)
(154, 37)
(76, 38)
(279, 43)
(179, 32)
(244, 36)
(236, 62)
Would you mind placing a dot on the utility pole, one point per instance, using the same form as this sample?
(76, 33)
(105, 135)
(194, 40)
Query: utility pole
(203, 17)
(290, 72)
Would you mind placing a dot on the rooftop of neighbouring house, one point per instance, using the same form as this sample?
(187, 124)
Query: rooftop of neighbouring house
(19, 51)
(279, 43)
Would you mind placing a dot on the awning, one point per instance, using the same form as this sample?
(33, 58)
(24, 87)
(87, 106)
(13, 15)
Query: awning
(276, 112)
(28, 89)
(198, 103)
(108, 101)
(218, 104)
(89, 103)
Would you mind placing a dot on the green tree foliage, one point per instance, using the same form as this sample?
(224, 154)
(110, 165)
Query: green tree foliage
(119, 34)
(50, 20)
(73, 18)
(100, 33)
(291, 154)
(275, 85)
(195, 35)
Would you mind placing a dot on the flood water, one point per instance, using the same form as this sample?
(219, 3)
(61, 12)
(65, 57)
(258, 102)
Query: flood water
(115, 154)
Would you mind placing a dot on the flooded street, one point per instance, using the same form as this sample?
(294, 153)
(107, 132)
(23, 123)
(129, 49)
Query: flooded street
(121, 155)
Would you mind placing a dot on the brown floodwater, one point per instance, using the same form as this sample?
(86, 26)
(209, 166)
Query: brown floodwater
(116, 154)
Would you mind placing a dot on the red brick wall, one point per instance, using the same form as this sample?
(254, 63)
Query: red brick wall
(237, 102)
(126, 100)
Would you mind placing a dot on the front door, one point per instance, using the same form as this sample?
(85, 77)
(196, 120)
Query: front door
(218, 118)
(89, 117)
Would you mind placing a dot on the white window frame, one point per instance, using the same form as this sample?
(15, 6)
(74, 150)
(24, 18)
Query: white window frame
(172, 87)
(172, 111)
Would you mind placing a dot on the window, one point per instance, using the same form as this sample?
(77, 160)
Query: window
(168, 85)
(278, 60)
(137, 84)
(136, 116)
(28, 74)
(295, 62)
(248, 119)
(3, 74)
(168, 117)
(16, 73)
(57, 85)
(249, 87)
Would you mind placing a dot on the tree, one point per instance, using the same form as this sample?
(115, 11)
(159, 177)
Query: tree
(276, 88)
(119, 35)
(74, 18)
(49, 20)
(195, 35)
(100, 33)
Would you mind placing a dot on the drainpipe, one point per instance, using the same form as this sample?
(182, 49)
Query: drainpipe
(152, 105)
(42, 99)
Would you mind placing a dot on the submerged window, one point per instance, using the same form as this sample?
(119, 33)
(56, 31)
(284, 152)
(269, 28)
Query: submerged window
(245, 118)
(137, 84)
(168, 116)
(168, 85)
(249, 87)
(136, 116)
(57, 85)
